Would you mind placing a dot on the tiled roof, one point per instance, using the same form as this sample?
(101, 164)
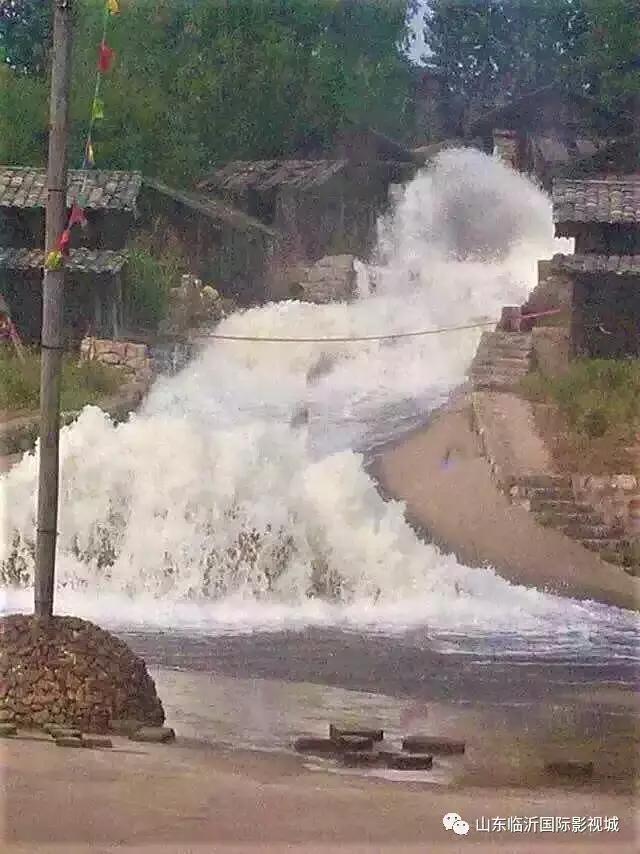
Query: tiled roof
(621, 265)
(607, 200)
(80, 260)
(221, 214)
(25, 187)
(240, 175)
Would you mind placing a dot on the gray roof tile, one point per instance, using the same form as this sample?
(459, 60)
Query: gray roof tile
(25, 187)
(80, 260)
(604, 200)
(620, 265)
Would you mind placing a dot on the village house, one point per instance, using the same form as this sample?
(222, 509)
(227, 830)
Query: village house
(220, 244)
(600, 283)
(603, 217)
(546, 131)
(319, 207)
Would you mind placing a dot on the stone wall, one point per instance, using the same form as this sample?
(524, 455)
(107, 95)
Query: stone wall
(132, 358)
(554, 289)
(332, 278)
(551, 345)
(612, 496)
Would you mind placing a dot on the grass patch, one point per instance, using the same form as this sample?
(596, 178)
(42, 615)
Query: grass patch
(82, 383)
(591, 415)
(155, 264)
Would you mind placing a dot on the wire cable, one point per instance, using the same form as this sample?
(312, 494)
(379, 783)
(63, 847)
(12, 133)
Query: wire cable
(348, 339)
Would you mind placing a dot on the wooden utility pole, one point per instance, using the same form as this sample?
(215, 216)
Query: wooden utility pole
(52, 312)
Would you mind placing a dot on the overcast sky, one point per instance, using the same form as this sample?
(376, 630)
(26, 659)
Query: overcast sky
(418, 47)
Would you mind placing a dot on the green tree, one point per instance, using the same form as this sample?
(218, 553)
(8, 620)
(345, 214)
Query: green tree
(25, 34)
(490, 50)
(202, 81)
(611, 51)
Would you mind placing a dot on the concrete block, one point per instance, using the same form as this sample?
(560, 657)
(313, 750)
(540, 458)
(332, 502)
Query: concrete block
(154, 735)
(126, 726)
(406, 761)
(56, 731)
(360, 759)
(96, 741)
(432, 744)
(68, 741)
(336, 732)
(353, 742)
(316, 746)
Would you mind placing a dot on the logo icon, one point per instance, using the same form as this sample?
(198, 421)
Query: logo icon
(453, 821)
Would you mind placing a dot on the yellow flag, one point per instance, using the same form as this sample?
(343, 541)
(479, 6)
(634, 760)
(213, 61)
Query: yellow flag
(54, 260)
(113, 6)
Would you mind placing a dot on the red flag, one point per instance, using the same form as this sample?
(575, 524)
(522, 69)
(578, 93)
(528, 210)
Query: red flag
(65, 242)
(106, 57)
(77, 216)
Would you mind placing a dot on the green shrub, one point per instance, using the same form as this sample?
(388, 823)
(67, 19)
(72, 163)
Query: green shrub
(82, 383)
(151, 273)
(596, 396)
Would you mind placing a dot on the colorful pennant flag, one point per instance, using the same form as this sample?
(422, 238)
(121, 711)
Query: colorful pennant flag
(105, 58)
(97, 110)
(54, 260)
(64, 244)
(77, 216)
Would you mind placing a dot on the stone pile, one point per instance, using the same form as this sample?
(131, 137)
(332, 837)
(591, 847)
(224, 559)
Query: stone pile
(70, 672)
(193, 305)
(132, 358)
(331, 279)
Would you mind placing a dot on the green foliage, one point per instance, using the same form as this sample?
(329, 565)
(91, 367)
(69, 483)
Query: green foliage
(489, 50)
(82, 383)
(151, 272)
(611, 49)
(23, 123)
(198, 82)
(25, 34)
(596, 396)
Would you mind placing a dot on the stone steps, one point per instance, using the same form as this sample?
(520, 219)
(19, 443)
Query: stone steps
(565, 519)
(501, 364)
(502, 359)
(601, 544)
(488, 349)
(594, 531)
(546, 481)
(551, 500)
(547, 493)
(492, 383)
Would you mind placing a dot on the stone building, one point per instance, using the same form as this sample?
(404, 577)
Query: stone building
(94, 291)
(93, 297)
(599, 284)
(318, 207)
(219, 243)
(544, 132)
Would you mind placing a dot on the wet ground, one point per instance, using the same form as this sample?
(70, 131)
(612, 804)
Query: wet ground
(515, 712)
